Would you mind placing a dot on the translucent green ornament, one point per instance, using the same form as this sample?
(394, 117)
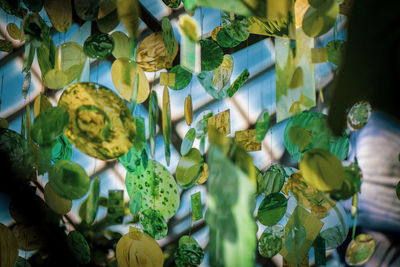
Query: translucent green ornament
(272, 209)
(360, 250)
(99, 45)
(359, 115)
(153, 223)
(182, 77)
(272, 180)
(79, 247)
(211, 55)
(61, 150)
(309, 130)
(270, 242)
(189, 252)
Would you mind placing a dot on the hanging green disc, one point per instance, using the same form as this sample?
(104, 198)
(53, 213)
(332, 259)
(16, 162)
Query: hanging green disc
(92, 203)
(34, 5)
(182, 77)
(201, 123)
(187, 142)
(272, 209)
(69, 180)
(153, 119)
(100, 124)
(153, 223)
(317, 21)
(168, 35)
(56, 202)
(49, 125)
(262, 125)
(237, 28)
(99, 45)
(335, 51)
(216, 82)
(211, 55)
(18, 151)
(309, 130)
(87, 9)
(69, 62)
(272, 180)
(61, 150)
(22, 262)
(108, 22)
(270, 242)
(238, 83)
(172, 3)
(166, 124)
(157, 187)
(189, 168)
(189, 252)
(360, 250)
(79, 247)
(225, 40)
(123, 46)
(359, 115)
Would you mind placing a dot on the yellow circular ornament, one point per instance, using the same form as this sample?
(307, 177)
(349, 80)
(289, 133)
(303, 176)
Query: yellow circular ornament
(151, 54)
(13, 31)
(138, 249)
(123, 74)
(322, 169)
(100, 123)
(360, 250)
(57, 203)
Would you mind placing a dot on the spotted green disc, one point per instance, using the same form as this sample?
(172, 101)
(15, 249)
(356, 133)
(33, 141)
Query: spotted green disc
(272, 209)
(49, 125)
(156, 185)
(189, 168)
(99, 45)
(211, 55)
(69, 180)
(153, 223)
(182, 77)
(100, 124)
(79, 247)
